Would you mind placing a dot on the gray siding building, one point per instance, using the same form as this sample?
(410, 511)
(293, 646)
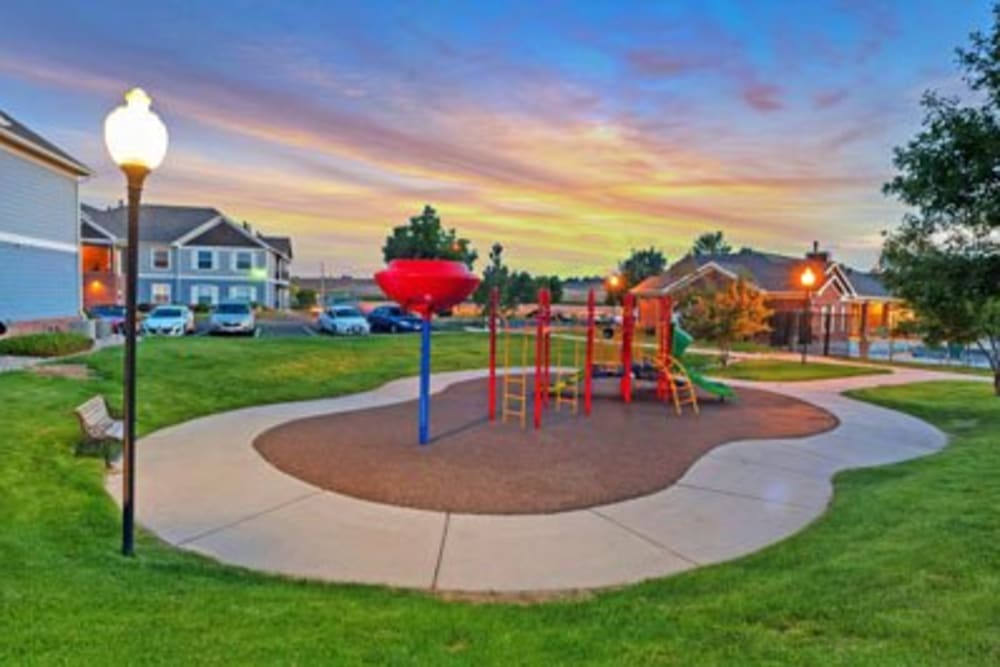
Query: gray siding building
(189, 255)
(39, 233)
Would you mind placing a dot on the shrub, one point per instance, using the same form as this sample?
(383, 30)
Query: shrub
(54, 344)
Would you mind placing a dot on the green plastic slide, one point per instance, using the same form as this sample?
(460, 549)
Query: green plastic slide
(683, 340)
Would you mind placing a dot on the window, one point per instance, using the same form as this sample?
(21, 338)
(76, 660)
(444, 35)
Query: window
(204, 260)
(243, 260)
(159, 293)
(205, 294)
(161, 258)
(246, 293)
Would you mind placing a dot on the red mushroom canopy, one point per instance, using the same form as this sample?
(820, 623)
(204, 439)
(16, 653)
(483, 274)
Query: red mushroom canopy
(426, 286)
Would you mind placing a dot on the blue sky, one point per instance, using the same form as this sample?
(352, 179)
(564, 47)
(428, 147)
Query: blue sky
(569, 131)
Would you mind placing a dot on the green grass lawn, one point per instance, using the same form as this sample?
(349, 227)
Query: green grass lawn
(903, 570)
(944, 368)
(778, 370)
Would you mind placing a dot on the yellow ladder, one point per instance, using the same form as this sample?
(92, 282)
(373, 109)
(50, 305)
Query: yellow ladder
(690, 396)
(515, 386)
(566, 387)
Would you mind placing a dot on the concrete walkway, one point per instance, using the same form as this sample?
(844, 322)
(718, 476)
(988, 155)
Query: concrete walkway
(203, 487)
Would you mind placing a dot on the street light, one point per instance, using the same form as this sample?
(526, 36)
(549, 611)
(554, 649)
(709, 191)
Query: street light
(614, 282)
(137, 141)
(807, 280)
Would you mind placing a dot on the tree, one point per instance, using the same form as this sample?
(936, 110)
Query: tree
(515, 287)
(554, 285)
(495, 275)
(639, 265)
(726, 315)
(425, 238)
(305, 298)
(711, 243)
(944, 258)
(642, 264)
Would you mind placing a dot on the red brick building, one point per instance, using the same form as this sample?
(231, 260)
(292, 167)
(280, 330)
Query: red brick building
(849, 308)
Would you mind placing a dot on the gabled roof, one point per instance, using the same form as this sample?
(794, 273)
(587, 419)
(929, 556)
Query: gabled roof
(866, 284)
(180, 225)
(768, 271)
(157, 223)
(282, 244)
(90, 231)
(222, 234)
(16, 134)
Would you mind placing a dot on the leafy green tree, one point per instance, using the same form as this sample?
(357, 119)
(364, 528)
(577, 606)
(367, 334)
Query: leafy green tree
(515, 287)
(639, 265)
(305, 298)
(425, 238)
(495, 275)
(711, 243)
(554, 284)
(728, 314)
(944, 258)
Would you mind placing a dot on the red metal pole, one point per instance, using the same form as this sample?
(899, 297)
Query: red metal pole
(628, 323)
(539, 354)
(494, 297)
(588, 369)
(546, 309)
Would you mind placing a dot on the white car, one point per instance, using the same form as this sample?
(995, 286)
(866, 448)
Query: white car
(344, 320)
(169, 321)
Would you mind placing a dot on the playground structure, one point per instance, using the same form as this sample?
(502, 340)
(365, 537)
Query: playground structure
(430, 286)
(558, 380)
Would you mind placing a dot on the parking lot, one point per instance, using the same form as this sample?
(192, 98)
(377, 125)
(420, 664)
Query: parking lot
(289, 326)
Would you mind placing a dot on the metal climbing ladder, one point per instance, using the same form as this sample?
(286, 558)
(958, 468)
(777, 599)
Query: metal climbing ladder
(514, 400)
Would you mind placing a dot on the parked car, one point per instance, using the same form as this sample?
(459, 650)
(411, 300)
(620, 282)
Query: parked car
(110, 313)
(393, 319)
(169, 321)
(235, 317)
(345, 320)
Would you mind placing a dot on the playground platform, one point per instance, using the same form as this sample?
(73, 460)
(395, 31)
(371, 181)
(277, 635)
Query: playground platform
(473, 466)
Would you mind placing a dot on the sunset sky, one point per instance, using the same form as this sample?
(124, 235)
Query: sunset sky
(569, 131)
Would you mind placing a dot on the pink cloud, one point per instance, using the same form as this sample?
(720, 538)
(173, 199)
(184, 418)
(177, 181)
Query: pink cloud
(827, 99)
(762, 97)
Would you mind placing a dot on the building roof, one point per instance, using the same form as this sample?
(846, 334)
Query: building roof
(283, 244)
(866, 284)
(224, 235)
(157, 223)
(768, 271)
(18, 134)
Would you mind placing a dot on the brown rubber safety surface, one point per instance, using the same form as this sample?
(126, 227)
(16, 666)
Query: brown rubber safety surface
(472, 466)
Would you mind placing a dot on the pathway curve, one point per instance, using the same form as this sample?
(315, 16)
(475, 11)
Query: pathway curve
(203, 487)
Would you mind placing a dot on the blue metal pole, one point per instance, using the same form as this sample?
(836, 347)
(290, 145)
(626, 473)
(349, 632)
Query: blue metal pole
(425, 379)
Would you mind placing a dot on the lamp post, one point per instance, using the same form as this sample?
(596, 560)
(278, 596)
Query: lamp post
(807, 280)
(137, 141)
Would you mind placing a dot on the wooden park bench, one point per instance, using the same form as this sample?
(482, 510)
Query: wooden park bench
(98, 426)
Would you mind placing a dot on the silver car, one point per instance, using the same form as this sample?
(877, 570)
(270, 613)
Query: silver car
(235, 317)
(343, 320)
(169, 321)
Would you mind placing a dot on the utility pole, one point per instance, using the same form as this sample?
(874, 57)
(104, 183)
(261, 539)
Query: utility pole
(322, 284)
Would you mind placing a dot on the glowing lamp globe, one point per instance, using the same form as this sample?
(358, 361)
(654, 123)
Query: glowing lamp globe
(135, 135)
(808, 278)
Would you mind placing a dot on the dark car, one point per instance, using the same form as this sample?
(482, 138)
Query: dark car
(114, 315)
(393, 319)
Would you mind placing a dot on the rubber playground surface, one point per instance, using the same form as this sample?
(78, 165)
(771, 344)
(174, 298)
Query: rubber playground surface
(474, 467)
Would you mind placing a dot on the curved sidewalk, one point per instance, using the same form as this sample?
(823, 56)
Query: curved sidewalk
(202, 486)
